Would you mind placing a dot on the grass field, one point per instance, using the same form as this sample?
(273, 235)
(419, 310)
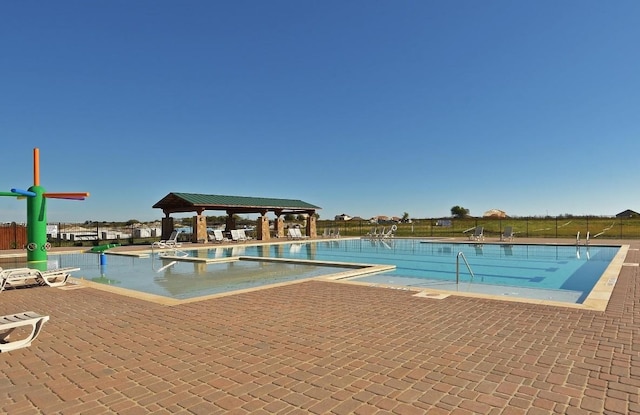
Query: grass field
(598, 228)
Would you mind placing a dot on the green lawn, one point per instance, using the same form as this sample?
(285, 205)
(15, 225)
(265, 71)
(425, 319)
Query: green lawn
(597, 227)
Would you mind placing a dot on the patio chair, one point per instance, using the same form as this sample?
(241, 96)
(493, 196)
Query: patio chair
(291, 233)
(56, 277)
(298, 234)
(29, 276)
(19, 276)
(478, 234)
(243, 235)
(390, 233)
(236, 236)
(172, 242)
(9, 323)
(507, 235)
(217, 236)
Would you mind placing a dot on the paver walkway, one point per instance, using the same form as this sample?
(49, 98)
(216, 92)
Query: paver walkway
(324, 348)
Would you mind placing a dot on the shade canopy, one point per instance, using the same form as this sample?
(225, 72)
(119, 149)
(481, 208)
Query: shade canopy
(195, 202)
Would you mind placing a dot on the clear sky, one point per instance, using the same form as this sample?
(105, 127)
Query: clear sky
(360, 107)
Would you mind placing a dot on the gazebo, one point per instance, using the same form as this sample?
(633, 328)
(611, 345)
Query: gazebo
(198, 203)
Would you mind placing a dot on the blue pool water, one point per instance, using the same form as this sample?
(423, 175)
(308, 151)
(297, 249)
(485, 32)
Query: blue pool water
(562, 273)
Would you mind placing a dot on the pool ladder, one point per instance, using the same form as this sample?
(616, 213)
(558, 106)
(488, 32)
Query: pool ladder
(461, 255)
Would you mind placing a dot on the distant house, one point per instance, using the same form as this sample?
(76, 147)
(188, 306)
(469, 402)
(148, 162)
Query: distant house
(344, 216)
(628, 214)
(494, 213)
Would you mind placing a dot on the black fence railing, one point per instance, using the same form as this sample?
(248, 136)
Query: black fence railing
(97, 233)
(560, 227)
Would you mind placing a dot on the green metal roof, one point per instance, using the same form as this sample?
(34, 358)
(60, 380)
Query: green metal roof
(189, 202)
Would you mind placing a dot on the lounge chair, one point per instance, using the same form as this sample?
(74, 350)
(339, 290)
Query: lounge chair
(291, 234)
(507, 235)
(236, 236)
(298, 234)
(172, 242)
(243, 235)
(390, 233)
(19, 276)
(217, 236)
(11, 322)
(478, 234)
(56, 277)
(325, 233)
(29, 276)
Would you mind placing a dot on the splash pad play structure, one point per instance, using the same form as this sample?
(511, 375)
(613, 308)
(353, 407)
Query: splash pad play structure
(37, 245)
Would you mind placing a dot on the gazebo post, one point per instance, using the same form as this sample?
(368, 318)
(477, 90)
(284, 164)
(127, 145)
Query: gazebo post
(167, 226)
(279, 224)
(311, 224)
(262, 230)
(230, 222)
(199, 227)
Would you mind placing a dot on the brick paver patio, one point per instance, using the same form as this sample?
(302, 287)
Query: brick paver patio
(324, 348)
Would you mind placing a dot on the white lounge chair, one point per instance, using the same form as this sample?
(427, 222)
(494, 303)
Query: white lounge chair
(26, 276)
(217, 236)
(298, 234)
(172, 242)
(243, 235)
(56, 277)
(236, 236)
(373, 233)
(291, 234)
(507, 235)
(10, 322)
(478, 234)
(390, 233)
(19, 276)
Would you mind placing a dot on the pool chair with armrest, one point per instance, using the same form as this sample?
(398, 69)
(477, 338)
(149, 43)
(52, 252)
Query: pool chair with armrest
(291, 234)
(30, 276)
(11, 322)
(478, 234)
(298, 234)
(507, 235)
(390, 233)
(242, 234)
(236, 236)
(371, 234)
(172, 242)
(56, 277)
(217, 236)
(13, 277)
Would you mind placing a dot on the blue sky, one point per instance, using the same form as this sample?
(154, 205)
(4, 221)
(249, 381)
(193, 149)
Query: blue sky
(360, 107)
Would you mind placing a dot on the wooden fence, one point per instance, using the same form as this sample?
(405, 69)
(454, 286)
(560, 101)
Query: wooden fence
(13, 236)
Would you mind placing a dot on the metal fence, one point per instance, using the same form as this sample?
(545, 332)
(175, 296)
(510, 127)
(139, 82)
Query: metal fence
(557, 227)
(14, 236)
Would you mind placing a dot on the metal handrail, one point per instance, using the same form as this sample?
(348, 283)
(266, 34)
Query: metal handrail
(461, 254)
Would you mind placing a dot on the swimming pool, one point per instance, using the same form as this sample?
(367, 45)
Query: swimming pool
(565, 273)
(185, 277)
(546, 272)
